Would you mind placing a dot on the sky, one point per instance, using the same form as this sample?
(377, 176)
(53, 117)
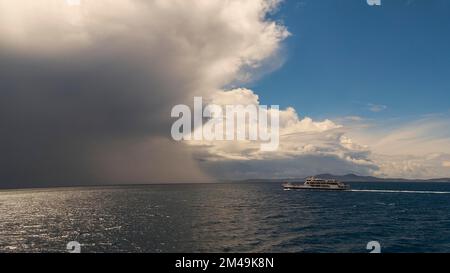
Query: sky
(86, 90)
(345, 58)
(384, 66)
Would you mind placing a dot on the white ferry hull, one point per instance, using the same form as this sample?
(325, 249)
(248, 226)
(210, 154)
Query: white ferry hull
(298, 187)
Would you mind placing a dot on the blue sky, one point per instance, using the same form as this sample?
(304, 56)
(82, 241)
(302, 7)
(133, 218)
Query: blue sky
(345, 57)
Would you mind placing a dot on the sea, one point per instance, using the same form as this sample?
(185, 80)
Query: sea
(401, 217)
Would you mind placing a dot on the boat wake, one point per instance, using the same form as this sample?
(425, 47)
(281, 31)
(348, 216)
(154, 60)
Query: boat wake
(403, 191)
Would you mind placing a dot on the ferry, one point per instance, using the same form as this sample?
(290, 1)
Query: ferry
(313, 183)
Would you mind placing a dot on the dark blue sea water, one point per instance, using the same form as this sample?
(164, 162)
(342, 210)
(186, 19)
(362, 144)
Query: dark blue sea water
(238, 217)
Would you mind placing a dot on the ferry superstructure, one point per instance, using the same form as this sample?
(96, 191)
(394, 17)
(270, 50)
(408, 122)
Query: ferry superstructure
(313, 183)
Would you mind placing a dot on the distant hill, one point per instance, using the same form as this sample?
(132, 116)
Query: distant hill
(352, 178)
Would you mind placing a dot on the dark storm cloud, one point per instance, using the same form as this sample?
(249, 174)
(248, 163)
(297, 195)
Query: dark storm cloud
(55, 111)
(86, 91)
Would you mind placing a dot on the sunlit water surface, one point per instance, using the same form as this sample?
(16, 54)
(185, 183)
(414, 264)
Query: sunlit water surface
(235, 217)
